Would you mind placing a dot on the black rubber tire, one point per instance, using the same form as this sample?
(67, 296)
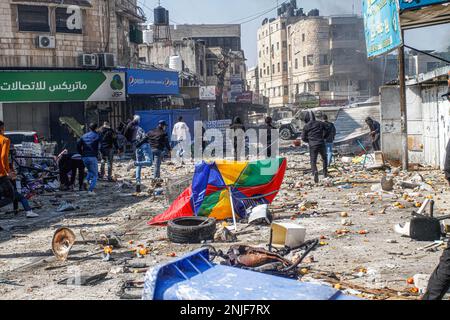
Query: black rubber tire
(188, 230)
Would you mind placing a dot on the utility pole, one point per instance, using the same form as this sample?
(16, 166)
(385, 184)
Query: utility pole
(403, 111)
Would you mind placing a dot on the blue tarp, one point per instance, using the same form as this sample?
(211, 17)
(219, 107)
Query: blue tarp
(194, 277)
(150, 118)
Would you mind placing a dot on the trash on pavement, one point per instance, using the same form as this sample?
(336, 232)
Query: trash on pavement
(287, 234)
(260, 214)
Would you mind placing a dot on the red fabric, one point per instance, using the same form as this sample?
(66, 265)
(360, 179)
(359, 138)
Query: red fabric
(180, 208)
(275, 184)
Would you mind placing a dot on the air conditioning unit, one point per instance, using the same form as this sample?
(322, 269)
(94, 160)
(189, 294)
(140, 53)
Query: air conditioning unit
(106, 60)
(46, 42)
(88, 60)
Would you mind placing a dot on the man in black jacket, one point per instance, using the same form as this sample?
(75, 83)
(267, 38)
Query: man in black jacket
(331, 135)
(159, 141)
(439, 283)
(314, 133)
(375, 133)
(108, 146)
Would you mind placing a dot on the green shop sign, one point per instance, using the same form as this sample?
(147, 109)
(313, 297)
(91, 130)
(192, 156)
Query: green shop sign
(61, 86)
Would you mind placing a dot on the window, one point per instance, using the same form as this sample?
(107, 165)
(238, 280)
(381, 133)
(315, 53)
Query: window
(311, 86)
(210, 68)
(278, 46)
(303, 37)
(286, 91)
(297, 88)
(260, 53)
(304, 61)
(324, 60)
(260, 73)
(296, 63)
(310, 59)
(273, 68)
(279, 67)
(273, 48)
(290, 52)
(268, 70)
(324, 86)
(284, 44)
(33, 18)
(61, 17)
(285, 66)
(283, 25)
(202, 72)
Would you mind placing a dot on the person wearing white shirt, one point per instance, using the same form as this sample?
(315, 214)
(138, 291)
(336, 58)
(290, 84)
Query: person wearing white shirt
(181, 137)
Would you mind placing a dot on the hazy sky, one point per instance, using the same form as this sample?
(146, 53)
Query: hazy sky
(235, 11)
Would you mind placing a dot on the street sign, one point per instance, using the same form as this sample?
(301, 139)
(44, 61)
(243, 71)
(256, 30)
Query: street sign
(207, 93)
(415, 4)
(381, 26)
(61, 86)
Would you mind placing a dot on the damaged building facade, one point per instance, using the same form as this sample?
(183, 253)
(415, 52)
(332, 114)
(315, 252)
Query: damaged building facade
(314, 59)
(428, 111)
(78, 40)
(199, 49)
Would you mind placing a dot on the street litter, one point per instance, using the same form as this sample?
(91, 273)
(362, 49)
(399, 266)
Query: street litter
(84, 280)
(66, 206)
(260, 214)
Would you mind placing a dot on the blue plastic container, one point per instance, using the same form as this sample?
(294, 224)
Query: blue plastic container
(194, 277)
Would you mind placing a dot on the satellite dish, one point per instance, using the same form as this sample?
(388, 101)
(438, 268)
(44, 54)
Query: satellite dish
(63, 240)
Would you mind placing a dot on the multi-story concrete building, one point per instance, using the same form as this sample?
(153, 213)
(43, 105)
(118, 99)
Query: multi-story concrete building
(191, 52)
(43, 42)
(226, 36)
(273, 61)
(329, 60)
(201, 48)
(313, 58)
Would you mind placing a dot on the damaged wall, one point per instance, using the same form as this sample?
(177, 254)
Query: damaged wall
(428, 123)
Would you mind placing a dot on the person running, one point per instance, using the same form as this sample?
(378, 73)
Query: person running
(136, 135)
(329, 141)
(181, 136)
(439, 283)
(107, 148)
(159, 142)
(375, 133)
(89, 146)
(315, 134)
(70, 163)
(6, 174)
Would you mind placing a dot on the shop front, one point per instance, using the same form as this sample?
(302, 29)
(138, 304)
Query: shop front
(40, 100)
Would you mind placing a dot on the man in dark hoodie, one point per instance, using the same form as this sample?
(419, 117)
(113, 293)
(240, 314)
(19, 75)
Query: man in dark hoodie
(375, 133)
(88, 147)
(159, 141)
(108, 146)
(238, 138)
(314, 134)
(439, 283)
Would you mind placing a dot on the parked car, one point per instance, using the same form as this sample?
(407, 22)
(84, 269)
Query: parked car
(18, 137)
(291, 128)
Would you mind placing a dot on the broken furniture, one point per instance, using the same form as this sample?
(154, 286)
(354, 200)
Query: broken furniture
(423, 227)
(195, 277)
